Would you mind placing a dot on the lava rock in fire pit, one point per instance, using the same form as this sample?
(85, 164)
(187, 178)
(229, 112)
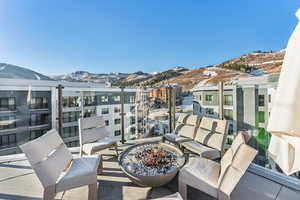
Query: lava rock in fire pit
(151, 164)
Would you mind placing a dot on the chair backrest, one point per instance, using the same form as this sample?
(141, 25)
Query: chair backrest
(180, 121)
(234, 164)
(48, 156)
(92, 129)
(212, 132)
(190, 126)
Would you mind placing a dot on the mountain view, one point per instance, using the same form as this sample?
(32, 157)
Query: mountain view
(257, 63)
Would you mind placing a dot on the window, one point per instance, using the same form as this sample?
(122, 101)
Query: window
(104, 99)
(7, 122)
(209, 111)
(71, 101)
(117, 98)
(37, 133)
(106, 122)
(39, 103)
(261, 100)
(71, 131)
(208, 97)
(261, 116)
(131, 99)
(104, 111)
(132, 130)
(117, 109)
(228, 114)
(228, 100)
(8, 140)
(132, 120)
(8, 104)
(117, 121)
(89, 101)
(117, 132)
(270, 98)
(39, 119)
(72, 144)
(132, 109)
(89, 113)
(71, 116)
(230, 129)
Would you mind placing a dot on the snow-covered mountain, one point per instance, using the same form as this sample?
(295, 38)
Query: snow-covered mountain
(13, 71)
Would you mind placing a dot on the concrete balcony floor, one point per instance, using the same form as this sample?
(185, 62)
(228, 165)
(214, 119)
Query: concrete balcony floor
(18, 181)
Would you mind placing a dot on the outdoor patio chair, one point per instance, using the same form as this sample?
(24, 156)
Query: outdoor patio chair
(56, 169)
(94, 136)
(185, 130)
(210, 138)
(217, 179)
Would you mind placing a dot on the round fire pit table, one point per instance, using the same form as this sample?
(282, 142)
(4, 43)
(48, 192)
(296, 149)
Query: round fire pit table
(151, 163)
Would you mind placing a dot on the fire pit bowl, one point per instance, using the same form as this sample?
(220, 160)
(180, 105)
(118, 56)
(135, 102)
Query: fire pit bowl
(152, 163)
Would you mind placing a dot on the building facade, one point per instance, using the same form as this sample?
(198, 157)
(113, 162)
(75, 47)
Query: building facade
(162, 94)
(29, 108)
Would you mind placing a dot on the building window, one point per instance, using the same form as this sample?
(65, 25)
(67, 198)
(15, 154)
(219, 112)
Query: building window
(131, 99)
(228, 114)
(269, 98)
(208, 97)
(230, 129)
(261, 116)
(132, 120)
(117, 132)
(89, 113)
(71, 116)
(116, 98)
(72, 144)
(71, 101)
(71, 131)
(8, 104)
(89, 101)
(132, 109)
(106, 122)
(104, 111)
(7, 122)
(209, 111)
(39, 103)
(117, 121)
(261, 100)
(228, 100)
(8, 140)
(132, 130)
(117, 109)
(39, 119)
(104, 99)
(37, 133)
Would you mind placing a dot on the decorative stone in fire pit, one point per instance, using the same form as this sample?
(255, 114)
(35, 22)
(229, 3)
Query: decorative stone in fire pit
(151, 163)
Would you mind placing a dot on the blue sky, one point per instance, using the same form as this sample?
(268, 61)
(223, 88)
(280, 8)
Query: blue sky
(62, 36)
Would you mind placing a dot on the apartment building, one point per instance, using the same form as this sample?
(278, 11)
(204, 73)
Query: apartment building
(247, 106)
(29, 108)
(162, 94)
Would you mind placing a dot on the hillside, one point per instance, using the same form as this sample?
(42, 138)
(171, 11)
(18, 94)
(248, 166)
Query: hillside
(16, 72)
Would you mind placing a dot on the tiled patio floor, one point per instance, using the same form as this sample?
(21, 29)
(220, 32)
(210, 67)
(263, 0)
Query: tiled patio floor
(18, 181)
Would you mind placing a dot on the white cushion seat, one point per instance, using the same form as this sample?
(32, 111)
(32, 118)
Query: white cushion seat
(201, 173)
(176, 138)
(202, 150)
(80, 172)
(175, 196)
(91, 148)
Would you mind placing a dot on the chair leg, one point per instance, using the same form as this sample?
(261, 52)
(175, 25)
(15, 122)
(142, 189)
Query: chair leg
(93, 190)
(116, 148)
(182, 188)
(49, 193)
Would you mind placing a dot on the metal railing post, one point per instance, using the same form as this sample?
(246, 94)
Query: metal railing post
(60, 109)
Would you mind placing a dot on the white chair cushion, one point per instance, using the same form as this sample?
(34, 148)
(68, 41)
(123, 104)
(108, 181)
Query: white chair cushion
(175, 196)
(176, 138)
(202, 150)
(83, 171)
(104, 143)
(202, 174)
